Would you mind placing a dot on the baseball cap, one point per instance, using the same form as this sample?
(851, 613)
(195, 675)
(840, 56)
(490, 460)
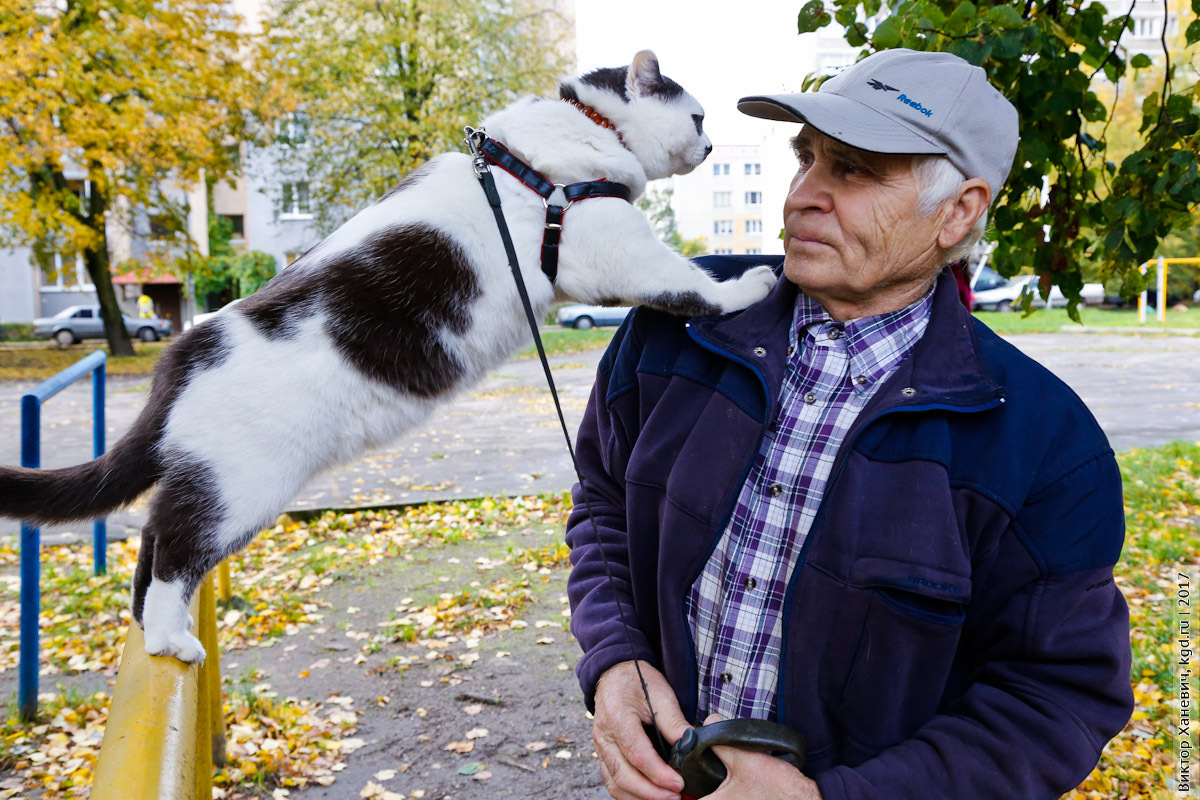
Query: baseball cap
(905, 101)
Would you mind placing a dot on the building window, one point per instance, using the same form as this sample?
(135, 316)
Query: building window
(720, 169)
(295, 200)
(722, 199)
(754, 226)
(1145, 26)
(753, 198)
(163, 227)
(723, 251)
(753, 169)
(237, 224)
(754, 251)
(723, 227)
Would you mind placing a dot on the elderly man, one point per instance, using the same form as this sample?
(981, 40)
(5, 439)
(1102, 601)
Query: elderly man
(852, 508)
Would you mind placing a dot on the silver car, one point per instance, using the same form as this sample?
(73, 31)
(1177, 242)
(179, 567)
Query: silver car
(76, 323)
(582, 317)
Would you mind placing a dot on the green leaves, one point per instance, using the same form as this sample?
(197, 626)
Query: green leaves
(1122, 174)
(814, 16)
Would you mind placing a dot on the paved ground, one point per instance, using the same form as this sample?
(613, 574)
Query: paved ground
(503, 437)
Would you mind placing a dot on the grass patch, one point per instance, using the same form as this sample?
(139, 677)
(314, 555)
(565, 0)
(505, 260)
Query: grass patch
(568, 340)
(1052, 320)
(40, 363)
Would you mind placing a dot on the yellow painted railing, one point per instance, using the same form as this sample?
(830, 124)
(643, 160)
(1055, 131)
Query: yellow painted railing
(165, 727)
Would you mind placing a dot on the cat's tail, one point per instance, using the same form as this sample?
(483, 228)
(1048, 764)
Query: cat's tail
(88, 490)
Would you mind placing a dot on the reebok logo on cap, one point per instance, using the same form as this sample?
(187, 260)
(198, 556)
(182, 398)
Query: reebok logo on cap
(903, 98)
(874, 84)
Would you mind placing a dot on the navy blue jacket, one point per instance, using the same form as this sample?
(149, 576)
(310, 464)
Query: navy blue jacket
(952, 629)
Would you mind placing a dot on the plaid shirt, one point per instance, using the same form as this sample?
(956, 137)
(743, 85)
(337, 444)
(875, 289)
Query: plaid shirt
(735, 607)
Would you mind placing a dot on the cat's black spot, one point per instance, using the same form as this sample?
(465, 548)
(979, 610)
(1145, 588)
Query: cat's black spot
(610, 301)
(667, 89)
(610, 79)
(408, 181)
(390, 299)
(567, 92)
(203, 347)
(685, 304)
(277, 308)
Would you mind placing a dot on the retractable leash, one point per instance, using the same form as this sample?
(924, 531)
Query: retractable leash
(691, 756)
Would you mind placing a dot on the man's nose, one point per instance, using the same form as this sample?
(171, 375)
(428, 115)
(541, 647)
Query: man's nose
(809, 190)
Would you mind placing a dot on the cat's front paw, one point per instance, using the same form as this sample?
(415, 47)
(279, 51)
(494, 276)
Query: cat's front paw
(179, 644)
(753, 285)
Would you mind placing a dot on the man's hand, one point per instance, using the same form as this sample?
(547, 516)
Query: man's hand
(761, 776)
(631, 767)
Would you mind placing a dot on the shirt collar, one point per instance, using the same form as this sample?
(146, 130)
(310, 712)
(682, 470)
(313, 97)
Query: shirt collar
(875, 345)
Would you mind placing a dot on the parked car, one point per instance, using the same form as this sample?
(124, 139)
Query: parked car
(582, 317)
(1008, 296)
(76, 323)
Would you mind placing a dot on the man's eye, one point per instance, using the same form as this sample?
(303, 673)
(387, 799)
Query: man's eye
(804, 159)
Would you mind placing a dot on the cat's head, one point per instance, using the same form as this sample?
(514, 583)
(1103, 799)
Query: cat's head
(658, 121)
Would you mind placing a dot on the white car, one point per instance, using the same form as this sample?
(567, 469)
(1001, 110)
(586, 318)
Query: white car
(197, 319)
(1008, 296)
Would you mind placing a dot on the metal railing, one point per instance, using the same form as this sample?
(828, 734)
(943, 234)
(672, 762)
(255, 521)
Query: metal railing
(31, 545)
(1162, 263)
(166, 727)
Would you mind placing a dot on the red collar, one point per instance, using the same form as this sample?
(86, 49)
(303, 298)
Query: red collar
(596, 117)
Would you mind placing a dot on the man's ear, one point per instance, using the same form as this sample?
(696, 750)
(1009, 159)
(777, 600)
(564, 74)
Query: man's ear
(643, 74)
(974, 195)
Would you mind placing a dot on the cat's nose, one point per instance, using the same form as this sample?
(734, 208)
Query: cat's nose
(707, 150)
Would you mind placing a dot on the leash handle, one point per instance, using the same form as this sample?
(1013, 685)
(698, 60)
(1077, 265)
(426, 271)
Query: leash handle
(474, 139)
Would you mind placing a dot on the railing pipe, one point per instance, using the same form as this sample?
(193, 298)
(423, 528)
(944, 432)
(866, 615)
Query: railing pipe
(31, 535)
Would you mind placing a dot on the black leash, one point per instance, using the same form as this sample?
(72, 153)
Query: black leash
(475, 139)
(691, 756)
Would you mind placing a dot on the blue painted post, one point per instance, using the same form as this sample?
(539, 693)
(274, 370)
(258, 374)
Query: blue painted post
(100, 526)
(27, 674)
(31, 544)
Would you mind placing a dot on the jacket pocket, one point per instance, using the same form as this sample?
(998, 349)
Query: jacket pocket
(908, 642)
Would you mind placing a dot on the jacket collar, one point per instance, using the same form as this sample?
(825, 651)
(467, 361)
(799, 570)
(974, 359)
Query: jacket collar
(945, 368)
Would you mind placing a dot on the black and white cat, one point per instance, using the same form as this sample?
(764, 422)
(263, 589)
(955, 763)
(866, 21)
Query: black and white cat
(356, 342)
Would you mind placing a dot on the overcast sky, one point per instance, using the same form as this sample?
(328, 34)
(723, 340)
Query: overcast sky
(718, 51)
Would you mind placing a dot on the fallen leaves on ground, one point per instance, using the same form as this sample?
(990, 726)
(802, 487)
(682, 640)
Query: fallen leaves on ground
(272, 741)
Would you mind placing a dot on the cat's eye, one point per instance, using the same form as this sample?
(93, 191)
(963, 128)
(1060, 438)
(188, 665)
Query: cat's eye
(699, 120)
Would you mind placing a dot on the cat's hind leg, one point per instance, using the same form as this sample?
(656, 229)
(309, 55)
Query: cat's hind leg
(186, 527)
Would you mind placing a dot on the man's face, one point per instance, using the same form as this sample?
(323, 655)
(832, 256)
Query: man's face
(852, 234)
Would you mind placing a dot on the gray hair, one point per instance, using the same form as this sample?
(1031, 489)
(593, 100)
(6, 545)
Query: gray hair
(938, 181)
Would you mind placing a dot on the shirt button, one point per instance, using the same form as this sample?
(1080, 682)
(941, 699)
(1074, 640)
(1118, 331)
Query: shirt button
(908, 391)
(726, 677)
(861, 379)
(776, 489)
(760, 351)
(810, 398)
(751, 583)
(835, 334)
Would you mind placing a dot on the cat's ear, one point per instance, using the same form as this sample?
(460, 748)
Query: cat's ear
(643, 74)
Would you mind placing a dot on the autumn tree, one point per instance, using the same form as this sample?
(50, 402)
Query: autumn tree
(1049, 57)
(104, 105)
(377, 87)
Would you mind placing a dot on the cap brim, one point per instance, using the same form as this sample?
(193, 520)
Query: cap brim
(841, 118)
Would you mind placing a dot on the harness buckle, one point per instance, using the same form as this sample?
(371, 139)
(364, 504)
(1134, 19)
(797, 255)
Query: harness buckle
(553, 226)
